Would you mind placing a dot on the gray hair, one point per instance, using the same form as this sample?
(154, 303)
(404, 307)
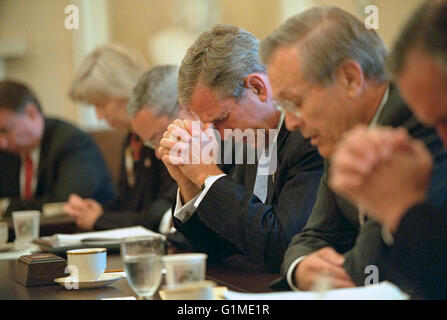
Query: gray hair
(220, 58)
(109, 71)
(156, 89)
(327, 36)
(427, 29)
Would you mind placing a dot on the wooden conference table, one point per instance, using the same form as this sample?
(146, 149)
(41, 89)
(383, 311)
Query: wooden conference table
(236, 273)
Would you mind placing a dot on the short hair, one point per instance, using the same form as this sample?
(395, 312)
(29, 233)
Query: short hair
(156, 89)
(109, 71)
(427, 29)
(15, 96)
(329, 36)
(220, 58)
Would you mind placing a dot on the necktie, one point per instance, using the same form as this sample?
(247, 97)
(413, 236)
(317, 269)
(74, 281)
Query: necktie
(136, 145)
(29, 173)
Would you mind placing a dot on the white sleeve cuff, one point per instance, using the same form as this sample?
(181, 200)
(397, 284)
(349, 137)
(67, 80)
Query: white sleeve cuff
(165, 222)
(208, 184)
(183, 212)
(4, 204)
(291, 272)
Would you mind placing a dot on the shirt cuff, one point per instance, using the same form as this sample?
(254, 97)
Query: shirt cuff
(208, 184)
(4, 204)
(166, 222)
(291, 271)
(184, 212)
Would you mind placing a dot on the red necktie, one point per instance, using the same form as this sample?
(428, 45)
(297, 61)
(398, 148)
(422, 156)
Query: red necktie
(29, 172)
(136, 145)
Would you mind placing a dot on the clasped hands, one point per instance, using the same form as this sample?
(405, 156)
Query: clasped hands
(189, 149)
(384, 171)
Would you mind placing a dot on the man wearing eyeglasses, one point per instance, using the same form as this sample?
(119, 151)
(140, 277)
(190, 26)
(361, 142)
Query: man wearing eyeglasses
(331, 71)
(255, 210)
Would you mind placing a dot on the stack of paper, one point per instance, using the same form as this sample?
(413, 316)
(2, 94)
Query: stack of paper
(109, 235)
(381, 291)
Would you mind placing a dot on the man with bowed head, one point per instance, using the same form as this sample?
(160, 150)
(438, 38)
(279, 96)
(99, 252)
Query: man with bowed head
(328, 71)
(250, 211)
(388, 172)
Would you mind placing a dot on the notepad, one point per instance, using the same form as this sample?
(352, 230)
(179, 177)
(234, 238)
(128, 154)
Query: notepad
(381, 291)
(114, 235)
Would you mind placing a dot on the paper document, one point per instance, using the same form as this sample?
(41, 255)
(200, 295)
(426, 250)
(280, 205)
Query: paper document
(115, 234)
(381, 291)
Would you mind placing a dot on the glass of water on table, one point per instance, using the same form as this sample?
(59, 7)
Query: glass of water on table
(142, 263)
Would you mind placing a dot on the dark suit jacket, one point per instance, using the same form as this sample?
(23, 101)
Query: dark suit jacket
(70, 162)
(145, 203)
(334, 221)
(231, 219)
(417, 260)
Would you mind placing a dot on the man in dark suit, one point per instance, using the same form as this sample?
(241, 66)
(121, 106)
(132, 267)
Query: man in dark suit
(328, 69)
(255, 210)
(399, 168)
(43, 160)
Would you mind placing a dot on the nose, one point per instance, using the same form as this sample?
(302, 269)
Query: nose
(293, 122)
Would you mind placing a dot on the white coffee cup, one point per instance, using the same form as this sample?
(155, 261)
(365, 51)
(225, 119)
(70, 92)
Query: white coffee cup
(26, 226)
(184, 267)
(87, 264)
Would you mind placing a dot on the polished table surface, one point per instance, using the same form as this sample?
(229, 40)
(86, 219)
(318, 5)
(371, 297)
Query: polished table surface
(236, 273)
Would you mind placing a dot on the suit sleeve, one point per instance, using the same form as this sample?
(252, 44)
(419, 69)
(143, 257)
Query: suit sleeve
(78, 167)
(418, 255)
(262, 231)
(326, 227)
(149, 217)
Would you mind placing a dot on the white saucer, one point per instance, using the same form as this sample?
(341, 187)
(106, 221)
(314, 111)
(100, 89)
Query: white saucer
(104, 280)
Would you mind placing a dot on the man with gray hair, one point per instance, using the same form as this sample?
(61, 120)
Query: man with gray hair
(327, 70)
(249, 212)
(399, 177)
(152, 106)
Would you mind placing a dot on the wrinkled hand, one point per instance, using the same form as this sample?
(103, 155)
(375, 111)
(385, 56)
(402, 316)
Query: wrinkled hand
(85, 211)
(326, 263)
(192, 147)
(383, 170)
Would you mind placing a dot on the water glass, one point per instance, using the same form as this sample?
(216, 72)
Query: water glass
(142, 263)
(3, 233)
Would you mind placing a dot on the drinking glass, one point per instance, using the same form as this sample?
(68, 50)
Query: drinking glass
(3, 233)
(142, 263)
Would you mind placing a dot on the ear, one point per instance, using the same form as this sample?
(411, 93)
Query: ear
(350, 75)
(32, 111)
(260, 85)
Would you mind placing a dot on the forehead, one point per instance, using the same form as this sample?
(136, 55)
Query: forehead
(205, 103)
(422, 70)
(284, 72)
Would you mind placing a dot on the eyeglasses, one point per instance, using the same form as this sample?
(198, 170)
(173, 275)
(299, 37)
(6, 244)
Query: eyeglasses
(290, 107)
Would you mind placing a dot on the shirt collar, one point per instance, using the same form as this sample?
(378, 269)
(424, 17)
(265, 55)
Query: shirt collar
(381, 106)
